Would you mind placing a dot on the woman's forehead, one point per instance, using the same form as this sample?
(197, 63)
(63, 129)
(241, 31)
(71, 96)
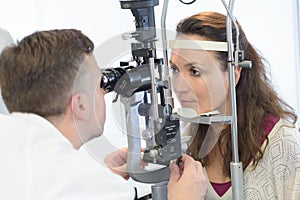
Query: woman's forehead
(192, 55)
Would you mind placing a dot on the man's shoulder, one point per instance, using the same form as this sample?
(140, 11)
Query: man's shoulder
(18, 120)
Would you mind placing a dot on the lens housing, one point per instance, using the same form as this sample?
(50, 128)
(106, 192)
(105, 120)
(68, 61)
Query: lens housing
(110, 77)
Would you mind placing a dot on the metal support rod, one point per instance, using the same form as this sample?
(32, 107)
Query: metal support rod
(160, 191)
(163, 31)
(235, 166)
(168, 92)
(234, 131)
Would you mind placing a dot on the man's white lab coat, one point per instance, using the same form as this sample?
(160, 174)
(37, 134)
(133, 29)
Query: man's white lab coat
(39, 163)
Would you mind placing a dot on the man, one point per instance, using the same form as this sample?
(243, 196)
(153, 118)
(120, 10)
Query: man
(50, 84)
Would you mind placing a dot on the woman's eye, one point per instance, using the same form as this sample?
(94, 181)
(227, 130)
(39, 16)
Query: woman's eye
(195, 72)
(174, 70)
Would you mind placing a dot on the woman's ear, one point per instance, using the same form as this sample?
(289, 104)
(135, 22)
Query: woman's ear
(80, 106)
(237, 74)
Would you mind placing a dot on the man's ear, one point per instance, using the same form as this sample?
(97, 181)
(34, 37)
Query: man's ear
(79, 105)
(237, 74)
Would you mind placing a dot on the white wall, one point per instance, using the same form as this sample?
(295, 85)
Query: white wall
(270, 25)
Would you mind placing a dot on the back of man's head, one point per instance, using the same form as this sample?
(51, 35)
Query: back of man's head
(37, 74)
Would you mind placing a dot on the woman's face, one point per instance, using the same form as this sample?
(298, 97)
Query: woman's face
(198, 80)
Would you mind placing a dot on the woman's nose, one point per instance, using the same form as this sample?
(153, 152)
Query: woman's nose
(180, 83)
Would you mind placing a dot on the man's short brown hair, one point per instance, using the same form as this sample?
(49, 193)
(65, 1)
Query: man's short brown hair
(37, 74)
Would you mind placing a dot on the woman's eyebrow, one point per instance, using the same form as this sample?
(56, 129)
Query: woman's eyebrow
(191, 64)
(172, 64)
(194, 64)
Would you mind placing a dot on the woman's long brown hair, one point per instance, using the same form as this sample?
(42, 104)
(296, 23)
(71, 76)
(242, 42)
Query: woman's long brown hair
(255, 97)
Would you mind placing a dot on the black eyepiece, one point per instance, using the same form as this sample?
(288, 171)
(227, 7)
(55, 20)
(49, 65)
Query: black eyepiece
(111, 76)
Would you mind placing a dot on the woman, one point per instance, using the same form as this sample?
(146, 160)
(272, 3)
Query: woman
(269, 145)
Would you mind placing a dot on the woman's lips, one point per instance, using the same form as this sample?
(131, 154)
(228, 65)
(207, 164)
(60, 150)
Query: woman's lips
(186, 103)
